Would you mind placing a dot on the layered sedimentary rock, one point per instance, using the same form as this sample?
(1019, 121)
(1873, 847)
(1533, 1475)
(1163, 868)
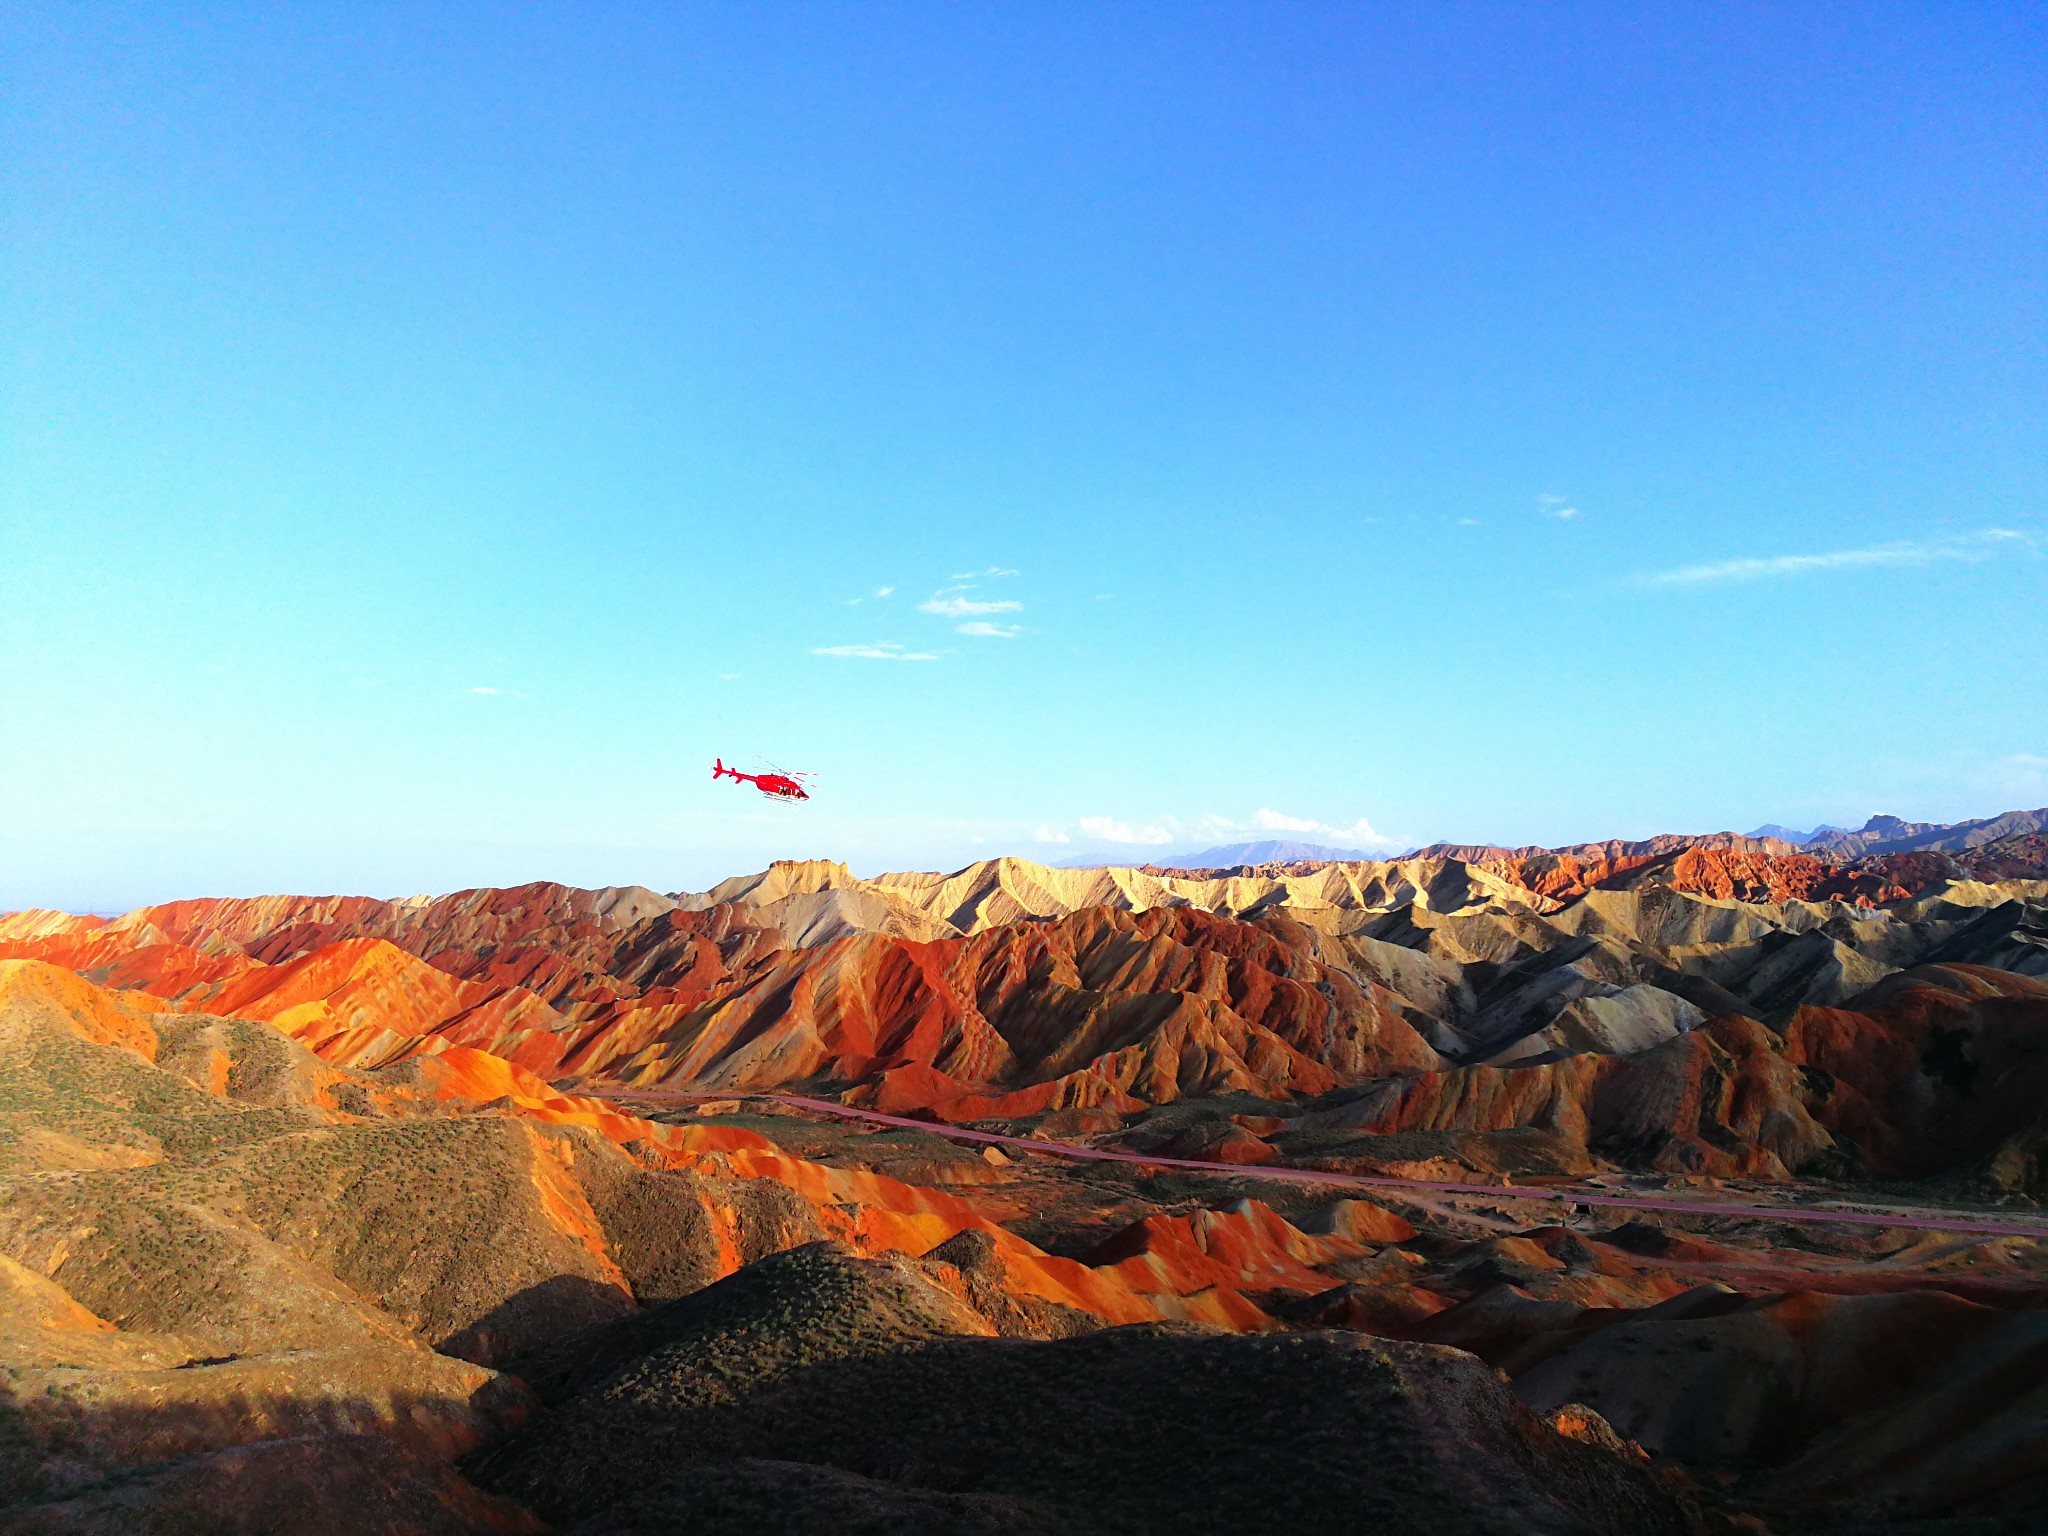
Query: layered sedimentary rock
(1153, 989)
(234, 1262)
(1726, 1099)
(299, 1199)
(211, 1237)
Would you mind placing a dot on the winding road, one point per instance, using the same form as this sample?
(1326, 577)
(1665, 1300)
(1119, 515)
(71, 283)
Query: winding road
(1915, 1218)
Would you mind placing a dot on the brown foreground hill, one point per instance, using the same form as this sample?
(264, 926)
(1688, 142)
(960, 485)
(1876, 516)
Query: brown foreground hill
(314, 1214)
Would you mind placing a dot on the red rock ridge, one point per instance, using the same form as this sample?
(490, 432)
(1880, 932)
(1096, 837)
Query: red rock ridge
(1102, 1007)
(1727, 874)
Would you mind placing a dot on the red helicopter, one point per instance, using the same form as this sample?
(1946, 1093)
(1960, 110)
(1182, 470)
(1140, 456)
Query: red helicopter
(778, 785)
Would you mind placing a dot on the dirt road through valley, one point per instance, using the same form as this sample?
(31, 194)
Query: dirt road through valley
(1915, 1218)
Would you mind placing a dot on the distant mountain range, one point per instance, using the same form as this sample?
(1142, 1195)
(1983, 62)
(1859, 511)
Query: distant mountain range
(1879, 835)
(1792, 835)
(1889, 834)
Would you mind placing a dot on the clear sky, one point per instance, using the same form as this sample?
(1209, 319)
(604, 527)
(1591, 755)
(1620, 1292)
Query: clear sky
(430, 435)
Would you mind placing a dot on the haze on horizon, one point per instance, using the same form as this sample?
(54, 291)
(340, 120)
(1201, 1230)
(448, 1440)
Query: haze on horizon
(431, 437)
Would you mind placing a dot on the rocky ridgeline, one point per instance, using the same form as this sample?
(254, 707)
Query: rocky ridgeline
(1029, 991)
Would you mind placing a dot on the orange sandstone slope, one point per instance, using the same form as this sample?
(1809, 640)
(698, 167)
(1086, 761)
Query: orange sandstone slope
(1941, 1071)
(562, 919)
(553, 940)
(1126, 1010)
(1941, 1067)
(1773, 874)
(868, 1211)
(1102, 1007)
(137, 958)
(1362, 973)
(363, 1002)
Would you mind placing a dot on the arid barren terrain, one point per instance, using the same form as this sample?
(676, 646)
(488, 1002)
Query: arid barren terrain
(546, 549)
(1690, 1185)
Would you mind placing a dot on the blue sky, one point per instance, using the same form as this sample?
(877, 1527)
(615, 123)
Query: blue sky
(429, 436)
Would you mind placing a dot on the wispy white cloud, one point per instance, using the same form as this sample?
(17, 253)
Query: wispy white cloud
(1049, 834)
(486, 691)
(885, 591)
(993, 570)
(965, 607)
(1360, 831)
(1359, 834)
(1214, 828)
(987, 631)
(1557, 506)
(881, 650)
(1264, 820)
(1109, 830)
(1972, 548)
